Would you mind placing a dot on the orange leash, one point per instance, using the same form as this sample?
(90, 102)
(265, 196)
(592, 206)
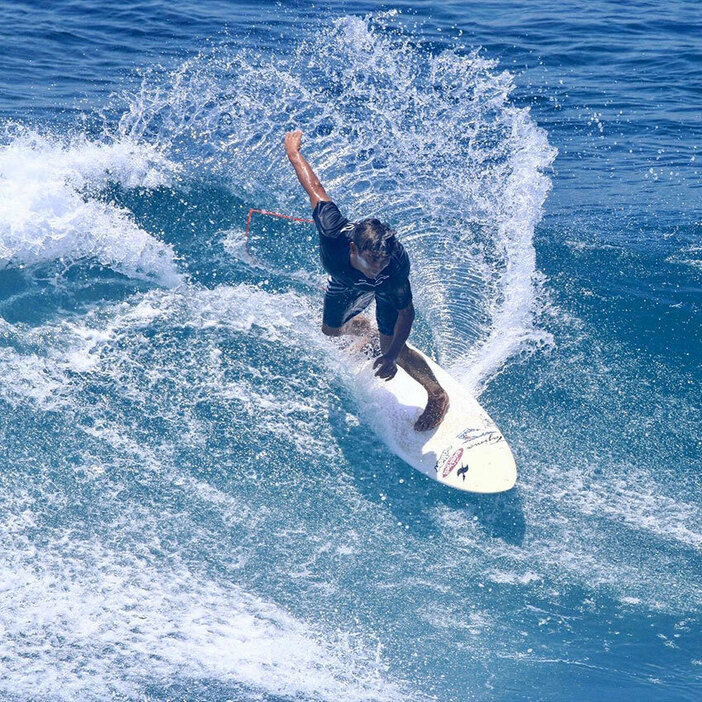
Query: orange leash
(273, 214)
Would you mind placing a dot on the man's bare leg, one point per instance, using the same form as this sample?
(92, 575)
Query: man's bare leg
(416, 367)
(357, 326)
(361, 328)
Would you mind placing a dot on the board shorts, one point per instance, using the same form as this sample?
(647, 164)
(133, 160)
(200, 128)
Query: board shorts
(342, 303)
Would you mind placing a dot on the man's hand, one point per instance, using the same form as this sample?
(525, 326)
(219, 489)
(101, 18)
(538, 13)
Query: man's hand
(386, 367)
(292, 143)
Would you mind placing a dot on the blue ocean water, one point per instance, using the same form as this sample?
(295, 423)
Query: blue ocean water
(194, 503)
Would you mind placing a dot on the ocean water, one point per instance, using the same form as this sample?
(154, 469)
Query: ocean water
(194, 504)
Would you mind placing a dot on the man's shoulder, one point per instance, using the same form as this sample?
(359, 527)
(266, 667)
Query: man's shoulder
(329, 220)
(400, 259)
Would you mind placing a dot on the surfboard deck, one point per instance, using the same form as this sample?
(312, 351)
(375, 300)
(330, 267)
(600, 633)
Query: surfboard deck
(466, 451)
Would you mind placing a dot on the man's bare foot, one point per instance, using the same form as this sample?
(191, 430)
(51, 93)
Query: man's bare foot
(434, 412)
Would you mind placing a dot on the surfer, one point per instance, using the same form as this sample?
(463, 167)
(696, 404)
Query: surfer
(365, 260)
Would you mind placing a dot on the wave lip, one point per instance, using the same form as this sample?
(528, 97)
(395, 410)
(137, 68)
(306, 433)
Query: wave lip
(50, 210)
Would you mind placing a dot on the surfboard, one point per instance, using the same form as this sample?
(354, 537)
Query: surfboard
(465, 452)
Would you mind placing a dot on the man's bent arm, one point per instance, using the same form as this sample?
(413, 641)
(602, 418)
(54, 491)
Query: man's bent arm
(305, 174)
(403, 325)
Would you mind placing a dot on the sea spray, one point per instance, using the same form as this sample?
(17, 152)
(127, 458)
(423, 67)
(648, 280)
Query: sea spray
(427, 140)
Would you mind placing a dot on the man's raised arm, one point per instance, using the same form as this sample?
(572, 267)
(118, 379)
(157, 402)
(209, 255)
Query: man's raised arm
(305, 174)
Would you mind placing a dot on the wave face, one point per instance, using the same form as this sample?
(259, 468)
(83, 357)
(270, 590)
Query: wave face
(193, 501)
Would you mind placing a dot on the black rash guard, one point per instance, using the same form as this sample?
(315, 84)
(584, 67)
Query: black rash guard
(391, 287)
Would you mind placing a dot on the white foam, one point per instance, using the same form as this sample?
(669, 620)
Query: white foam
(91, 623)
(640, 503)
(47, 373)
(50, 209)
(30, 377)
(83, 615)
(512, 578)
(591, 535)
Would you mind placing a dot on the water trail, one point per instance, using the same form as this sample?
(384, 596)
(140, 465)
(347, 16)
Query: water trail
(131, 627)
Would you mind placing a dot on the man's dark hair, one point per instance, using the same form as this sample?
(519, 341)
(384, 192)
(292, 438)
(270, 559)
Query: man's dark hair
(374, 237)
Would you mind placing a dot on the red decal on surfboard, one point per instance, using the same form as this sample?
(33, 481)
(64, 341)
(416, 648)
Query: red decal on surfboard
(452, 462)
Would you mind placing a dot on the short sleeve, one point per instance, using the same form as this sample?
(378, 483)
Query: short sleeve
(401, 294)
(397, 288)
(330, 222)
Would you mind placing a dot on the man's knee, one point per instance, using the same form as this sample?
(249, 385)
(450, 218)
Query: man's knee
(331, 331)
(404, 354)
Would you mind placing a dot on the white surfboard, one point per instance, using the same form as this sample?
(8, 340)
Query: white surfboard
(466, 451)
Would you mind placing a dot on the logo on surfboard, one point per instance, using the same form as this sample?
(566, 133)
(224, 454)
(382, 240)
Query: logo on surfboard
(452, 462)
(477, 437)
(442, 459)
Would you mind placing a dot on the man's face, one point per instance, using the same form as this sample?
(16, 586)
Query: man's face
(370, 265)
